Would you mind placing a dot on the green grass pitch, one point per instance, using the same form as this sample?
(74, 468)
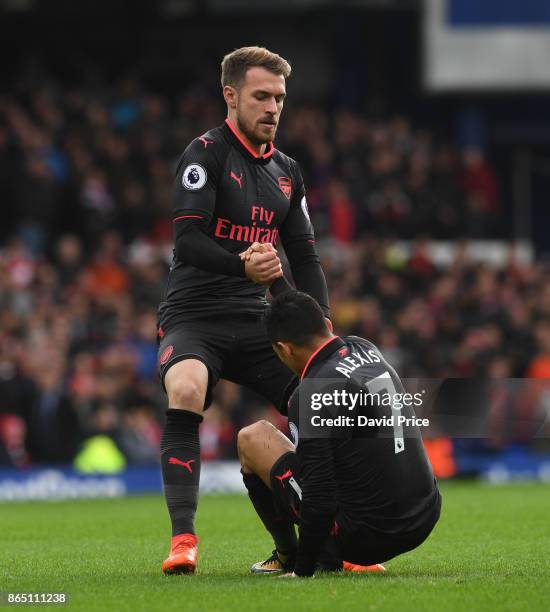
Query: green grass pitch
(490, 551)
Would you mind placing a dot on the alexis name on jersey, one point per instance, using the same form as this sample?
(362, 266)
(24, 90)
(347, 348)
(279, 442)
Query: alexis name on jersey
(350, 362)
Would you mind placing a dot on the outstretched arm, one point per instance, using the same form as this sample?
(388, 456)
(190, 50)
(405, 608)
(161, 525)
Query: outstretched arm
(298, 240)
(318, 507)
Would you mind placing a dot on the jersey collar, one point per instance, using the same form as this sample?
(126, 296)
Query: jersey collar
(322, 352)
(238, 141)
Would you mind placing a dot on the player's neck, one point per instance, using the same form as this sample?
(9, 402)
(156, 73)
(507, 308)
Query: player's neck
(309, 353)
(259, 149)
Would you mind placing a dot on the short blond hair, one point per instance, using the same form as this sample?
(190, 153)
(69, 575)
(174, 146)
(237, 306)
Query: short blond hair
(236, 64)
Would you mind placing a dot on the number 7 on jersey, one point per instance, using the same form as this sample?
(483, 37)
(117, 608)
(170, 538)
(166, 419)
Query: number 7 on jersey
(383, 384)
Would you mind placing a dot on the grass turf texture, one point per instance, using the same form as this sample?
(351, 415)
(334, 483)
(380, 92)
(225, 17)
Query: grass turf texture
(489, 552)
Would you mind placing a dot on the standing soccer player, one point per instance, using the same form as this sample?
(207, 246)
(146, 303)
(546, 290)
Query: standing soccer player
(235, 196)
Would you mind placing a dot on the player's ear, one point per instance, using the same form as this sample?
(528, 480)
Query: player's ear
(230, 96)
(285, 348)
(329, 325)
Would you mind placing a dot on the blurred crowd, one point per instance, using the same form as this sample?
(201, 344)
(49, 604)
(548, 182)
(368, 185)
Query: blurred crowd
(95, 158)
(85, 242)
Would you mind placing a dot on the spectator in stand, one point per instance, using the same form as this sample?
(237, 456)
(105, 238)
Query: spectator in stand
(480, 187)
(12, 442)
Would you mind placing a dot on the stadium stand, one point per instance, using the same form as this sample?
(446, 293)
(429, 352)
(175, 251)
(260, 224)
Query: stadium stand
(86, 241)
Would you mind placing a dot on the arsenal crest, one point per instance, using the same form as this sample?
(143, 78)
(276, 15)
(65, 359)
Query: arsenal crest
(285, 185)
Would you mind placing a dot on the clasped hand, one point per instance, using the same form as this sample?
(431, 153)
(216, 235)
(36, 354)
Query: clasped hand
(261, 263)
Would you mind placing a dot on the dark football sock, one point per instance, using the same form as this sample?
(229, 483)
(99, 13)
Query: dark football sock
(181, 467)
(278, 526)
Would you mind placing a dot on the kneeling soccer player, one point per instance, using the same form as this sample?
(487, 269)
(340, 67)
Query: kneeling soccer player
(360, 497)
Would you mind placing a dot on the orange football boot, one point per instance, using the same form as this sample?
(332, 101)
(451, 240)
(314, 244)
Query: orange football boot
(183, 555)
(353, 567)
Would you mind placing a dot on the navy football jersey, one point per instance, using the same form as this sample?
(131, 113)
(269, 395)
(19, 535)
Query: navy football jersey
(378, 477)
(239, 198)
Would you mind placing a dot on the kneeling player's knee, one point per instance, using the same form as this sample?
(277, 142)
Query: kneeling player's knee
(186, 394)
(244, 437)
(248, 435)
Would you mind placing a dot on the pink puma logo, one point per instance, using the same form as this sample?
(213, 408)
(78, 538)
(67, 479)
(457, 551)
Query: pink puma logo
(205, 141)
(237, 178)
(287, 474)
(185, 464)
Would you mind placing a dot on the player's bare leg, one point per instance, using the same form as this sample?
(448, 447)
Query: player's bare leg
(186, 384)
(259, 446)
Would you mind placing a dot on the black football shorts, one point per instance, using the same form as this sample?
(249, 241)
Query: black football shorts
(233, 347)
(360, 545)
